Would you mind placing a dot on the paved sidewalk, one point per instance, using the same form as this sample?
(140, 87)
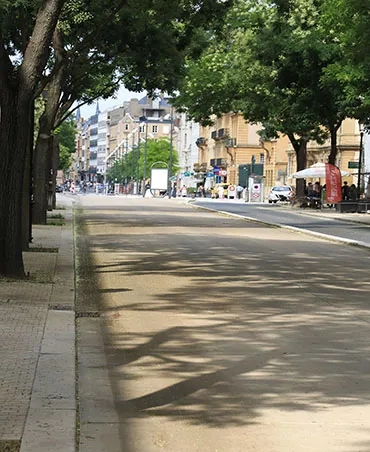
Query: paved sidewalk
(37, 344)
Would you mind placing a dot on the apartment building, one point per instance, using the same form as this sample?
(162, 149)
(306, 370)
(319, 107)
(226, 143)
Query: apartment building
(232, 151)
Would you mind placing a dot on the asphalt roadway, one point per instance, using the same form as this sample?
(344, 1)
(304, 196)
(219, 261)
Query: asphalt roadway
(209, 333)
(348, 226)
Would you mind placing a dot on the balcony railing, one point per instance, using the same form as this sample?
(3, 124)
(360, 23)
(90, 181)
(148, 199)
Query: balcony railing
(222, 163)
(201, 141)
(222, 133)
(230, 142)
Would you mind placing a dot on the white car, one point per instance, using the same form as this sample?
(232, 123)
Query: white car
(280, 193)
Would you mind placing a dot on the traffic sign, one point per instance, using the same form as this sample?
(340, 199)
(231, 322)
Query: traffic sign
(352, 164)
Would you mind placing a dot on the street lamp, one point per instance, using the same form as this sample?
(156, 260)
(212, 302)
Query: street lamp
(360, 162)
(170, 166)
(144, 119)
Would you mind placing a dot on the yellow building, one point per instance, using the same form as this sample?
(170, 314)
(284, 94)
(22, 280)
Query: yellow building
(230, 144)
(348, 145)
(234, 146)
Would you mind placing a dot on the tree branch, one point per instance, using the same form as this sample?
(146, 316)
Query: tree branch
(38, 48)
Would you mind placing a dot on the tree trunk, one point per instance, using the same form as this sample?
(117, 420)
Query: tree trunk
(26, 192)
(300, 147)
(333, 144)
(17, 88)
(41, 172)
(44, 148)
(55, 165)
(15, 130)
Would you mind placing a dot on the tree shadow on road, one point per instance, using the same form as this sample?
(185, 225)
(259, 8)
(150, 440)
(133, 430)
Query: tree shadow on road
(240, 319)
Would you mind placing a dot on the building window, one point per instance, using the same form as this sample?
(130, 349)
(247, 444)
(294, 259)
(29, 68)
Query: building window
(142, 129)
(126, 127)
(262, 158)
(155, 129)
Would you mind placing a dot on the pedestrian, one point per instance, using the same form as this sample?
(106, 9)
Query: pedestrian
(184, 191)
(352, 193)
(221, 192)
(345, 191)
(239, 191)
(174, 190)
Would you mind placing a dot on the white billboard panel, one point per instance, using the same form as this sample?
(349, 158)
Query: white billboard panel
(159, 179)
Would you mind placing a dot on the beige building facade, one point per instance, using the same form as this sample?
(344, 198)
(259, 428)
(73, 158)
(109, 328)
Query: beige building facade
(234, 145)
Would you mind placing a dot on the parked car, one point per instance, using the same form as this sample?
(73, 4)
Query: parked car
(215, 193)
(280, 193)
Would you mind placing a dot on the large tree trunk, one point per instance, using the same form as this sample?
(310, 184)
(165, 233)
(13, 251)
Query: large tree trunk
(17, 88)
(333, 144)
(42, 169)
(300, 147)
(55, 166)
(27, 190)
(44, 148)
(15, 129)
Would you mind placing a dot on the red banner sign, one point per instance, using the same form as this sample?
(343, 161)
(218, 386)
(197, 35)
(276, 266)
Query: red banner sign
(333, 184)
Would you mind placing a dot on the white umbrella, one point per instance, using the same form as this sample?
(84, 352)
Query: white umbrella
(317, 170)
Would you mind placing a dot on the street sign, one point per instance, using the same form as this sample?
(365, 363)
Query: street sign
(353, 165)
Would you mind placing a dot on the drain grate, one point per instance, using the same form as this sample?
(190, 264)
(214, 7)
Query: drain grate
(87, 314)
(60, 307)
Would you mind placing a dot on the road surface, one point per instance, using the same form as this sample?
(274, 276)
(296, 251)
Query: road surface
(306, 220)
(217, 334)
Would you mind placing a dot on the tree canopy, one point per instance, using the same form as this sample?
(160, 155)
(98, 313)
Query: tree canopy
(81, 50)
(131, 166)
(277, 63)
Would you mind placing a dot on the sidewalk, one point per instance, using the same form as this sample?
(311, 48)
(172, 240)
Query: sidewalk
(37, 345)
(331, 213)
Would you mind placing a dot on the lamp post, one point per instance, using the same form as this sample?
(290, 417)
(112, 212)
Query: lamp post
(137, 160)
(360, 165)
(126, 164)
(144, 119)
(170, 166)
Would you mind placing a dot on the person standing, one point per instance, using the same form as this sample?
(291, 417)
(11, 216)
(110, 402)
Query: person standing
(345, 191)
(184, 191)
(352, 193)
(239, 191)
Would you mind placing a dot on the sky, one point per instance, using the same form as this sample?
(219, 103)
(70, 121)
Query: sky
(109, 104)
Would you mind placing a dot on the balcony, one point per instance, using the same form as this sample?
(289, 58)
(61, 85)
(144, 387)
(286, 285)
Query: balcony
(222, 134)
(230, 142)
(200, 167)
(222, 163)
(201, 141)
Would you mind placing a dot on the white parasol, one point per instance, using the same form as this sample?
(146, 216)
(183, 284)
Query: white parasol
(317, 170)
